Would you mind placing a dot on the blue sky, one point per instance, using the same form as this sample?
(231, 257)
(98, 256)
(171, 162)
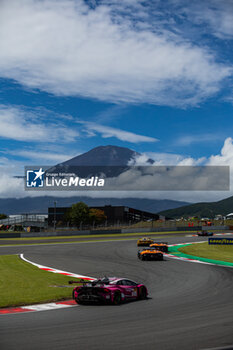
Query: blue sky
(154, 76)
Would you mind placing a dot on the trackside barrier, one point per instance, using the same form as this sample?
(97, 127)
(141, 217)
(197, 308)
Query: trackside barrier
(107, 232)
(161, 229)
(181, 230)
(10, 235)
(210, 228)
(54, 233)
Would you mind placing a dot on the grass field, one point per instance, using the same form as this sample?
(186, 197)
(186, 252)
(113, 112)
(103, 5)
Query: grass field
(215, 252)
(23, 284)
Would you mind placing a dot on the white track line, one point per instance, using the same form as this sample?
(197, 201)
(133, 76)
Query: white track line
(50, 269)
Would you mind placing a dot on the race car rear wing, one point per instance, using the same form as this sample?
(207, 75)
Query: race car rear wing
(97, 281)
(148, 248)
(160, 243)
(79, 282)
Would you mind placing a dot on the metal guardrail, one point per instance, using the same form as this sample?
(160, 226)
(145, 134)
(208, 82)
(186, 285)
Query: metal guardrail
(22, 219)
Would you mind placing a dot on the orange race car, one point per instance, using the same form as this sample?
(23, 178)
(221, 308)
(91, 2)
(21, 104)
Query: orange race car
(162, 246)
(144, 242)
(150, 254)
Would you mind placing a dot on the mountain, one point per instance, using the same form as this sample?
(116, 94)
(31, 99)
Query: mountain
(104, 156)
(112, 156)
(205, 209)
(40, 204)
(111, 160)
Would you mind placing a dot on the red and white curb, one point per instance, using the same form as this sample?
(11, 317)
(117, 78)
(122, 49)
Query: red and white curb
(47, 306)
(38, 307)
(50, 269)
(189, 260)
(186, 243)
(215, 234)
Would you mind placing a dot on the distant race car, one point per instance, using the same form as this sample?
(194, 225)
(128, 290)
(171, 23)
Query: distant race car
(162, 246)
(144, 242)
(150, 254)
(110, 290)
(204, 233)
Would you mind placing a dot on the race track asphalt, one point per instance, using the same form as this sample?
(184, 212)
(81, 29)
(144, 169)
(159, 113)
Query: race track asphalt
(190, 305)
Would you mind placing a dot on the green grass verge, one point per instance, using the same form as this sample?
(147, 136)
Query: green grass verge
(213, 252)
(23, 284)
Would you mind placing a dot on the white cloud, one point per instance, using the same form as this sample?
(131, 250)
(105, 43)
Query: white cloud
(189, 161)
(218, 15)
(200, 138)
(21, 125)
(107, 132)
(226, 155)
(165, 159)
(43, 157)
(157, 158)
(11, 187)
(66, 48)
(139, 160)
(162, 158)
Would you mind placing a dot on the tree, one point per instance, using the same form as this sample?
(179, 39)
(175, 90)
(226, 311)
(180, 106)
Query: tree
(97, 216)
(79, 213)
(3, 216)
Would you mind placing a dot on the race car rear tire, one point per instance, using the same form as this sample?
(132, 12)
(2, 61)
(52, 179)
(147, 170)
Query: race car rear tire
(78, 301)
(142, 293)
(117, 298)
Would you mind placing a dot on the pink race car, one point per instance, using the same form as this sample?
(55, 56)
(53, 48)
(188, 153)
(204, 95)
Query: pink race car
(111, 290)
